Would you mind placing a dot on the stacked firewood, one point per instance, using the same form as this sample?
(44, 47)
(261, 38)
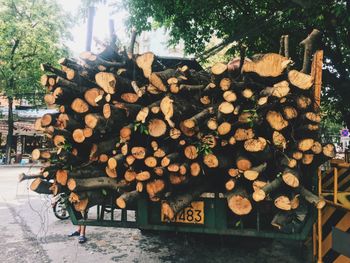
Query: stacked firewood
(128, 127)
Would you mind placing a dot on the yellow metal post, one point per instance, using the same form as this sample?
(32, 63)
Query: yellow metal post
(316, 73)
(335, 190)
(319, 219)
(314, 242)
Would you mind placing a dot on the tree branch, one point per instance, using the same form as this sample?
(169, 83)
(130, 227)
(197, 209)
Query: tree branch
(309, 45)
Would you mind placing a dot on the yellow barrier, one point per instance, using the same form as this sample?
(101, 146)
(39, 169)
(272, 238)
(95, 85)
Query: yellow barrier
(332, 236)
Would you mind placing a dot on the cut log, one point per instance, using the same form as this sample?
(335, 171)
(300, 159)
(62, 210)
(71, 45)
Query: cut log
(225, 84)
(198, 118)
(126, 199)
(297, 155)
(191, 152)
(224, 128)
(291, 177)
(300, 80)
(218, 68)
(253, 173)
(312, 117)
(115, 161)
(107, 81)
(243, 163)
(211, 160)
(175, 204)
(290, 113)
(92, 96)
(255, 145)
(329, 150)
(49, 119)
(283, 202)
(239, 202)
(79, 106)
(247, 93)
(276, 120)
(307, 158)
(157, 128)
(159, 170)
(68, 122)
(229, 96)
(129, 159)
(23, 176)
(170, 158)
(305, 144)
(318, 202)
(112, 173)
(151, 162)
(226, 107)
(279, 90)
(230, 184)
(94, 183)
(143, 176)
(257, 184)
(41, 186)
(41, 154)
(242, 134)
(62, 177)
(130, 175)
(155, 188)
(233, 172)
(195, 169)
(157, 79)
(268, 65)
(78, 135)
(144, 62)
(303, 102)
(177, 179)
(139, 152)
(289, 162)
(261, 193)
(279, 140)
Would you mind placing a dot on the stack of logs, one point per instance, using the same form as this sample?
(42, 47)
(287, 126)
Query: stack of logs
(127, 127)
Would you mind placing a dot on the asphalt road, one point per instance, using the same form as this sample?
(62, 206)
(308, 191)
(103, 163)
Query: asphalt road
(29, 232)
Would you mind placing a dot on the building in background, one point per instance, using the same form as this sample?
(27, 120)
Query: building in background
(25, 137)
(157, 41)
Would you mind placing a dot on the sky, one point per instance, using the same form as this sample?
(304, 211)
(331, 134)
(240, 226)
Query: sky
(101, 29)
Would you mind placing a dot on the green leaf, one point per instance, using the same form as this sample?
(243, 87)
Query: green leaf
(104, 192)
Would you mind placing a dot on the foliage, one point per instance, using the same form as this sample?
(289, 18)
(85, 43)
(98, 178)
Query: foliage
(258, 25)
(31, 33)
(203, 148)
(141, 127)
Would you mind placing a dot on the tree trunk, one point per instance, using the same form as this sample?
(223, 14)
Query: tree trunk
(10, 123)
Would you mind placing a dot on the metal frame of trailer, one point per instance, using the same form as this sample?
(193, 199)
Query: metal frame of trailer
(218, 220)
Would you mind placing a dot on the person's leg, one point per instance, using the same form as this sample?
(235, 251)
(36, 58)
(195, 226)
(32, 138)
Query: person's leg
(82, 230)
(82, 238)
(76, 233)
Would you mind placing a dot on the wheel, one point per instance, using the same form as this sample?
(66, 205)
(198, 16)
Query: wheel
(60, 210)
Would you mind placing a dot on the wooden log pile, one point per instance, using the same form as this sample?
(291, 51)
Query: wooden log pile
(127, 127)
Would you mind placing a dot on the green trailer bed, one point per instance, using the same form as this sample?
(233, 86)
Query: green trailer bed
(217, 219)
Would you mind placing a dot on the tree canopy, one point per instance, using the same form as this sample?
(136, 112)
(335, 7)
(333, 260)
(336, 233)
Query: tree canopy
(31, 33)
(258, 25)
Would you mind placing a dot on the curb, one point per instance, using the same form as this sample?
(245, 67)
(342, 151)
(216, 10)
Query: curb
(19, 166)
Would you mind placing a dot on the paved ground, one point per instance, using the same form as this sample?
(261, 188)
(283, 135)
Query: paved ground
(29, 232)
